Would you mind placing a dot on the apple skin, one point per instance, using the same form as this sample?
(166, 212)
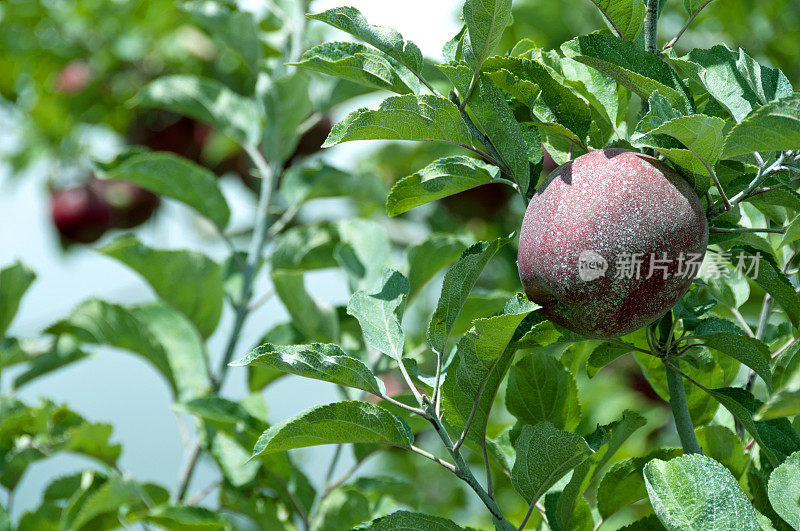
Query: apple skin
(616, 203)
(79, 214)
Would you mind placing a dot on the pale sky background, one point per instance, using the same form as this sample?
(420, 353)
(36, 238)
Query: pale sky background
(117, 387)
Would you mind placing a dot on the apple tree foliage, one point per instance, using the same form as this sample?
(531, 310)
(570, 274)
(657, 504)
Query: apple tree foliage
(460, 404)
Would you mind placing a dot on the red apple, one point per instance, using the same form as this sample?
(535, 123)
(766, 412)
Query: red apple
(131, 204)
(589, 225)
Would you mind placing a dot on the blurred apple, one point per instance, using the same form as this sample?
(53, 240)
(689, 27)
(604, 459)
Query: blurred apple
(79, 214)
(73, 77)
(131, 204)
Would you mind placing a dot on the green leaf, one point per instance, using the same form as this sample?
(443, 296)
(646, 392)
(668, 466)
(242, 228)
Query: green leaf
(624, 16)
(185, 518)
(696, 492)
(491, 113)
(317, 321)
(407, 117)
(426, 259)
(14, 282)
(776, 438)
(387, 40)
(305, 182)
(773, 127)
(540, 388)
(722, 445)
(784, 490)
(206, 100)
(306, 247)
(771, 278)
(286, 105)
(60, 354)
(174, 177)
(605, 441)
(342, 508)
(380, 313)
(340, 422)
(701, 134)
(320, 361)
(739, 84)
(534, 84)
(604, 354)
(5, 521)
(633, 68)
(364, 251)
(439, 179)
(748, 350)
(623, 484)
(785, 402)
(113, 496)
(99, 322)
(482, 358)
(458, 283)
(182, 344)
(357, 63)
(408, 521)
(199, 295)
(485, 20)
(544, 455)
(159, 334)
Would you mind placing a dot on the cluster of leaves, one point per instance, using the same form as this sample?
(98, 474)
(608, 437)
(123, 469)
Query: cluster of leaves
(490, 383)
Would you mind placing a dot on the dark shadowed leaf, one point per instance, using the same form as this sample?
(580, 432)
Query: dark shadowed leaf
(630, 66)
(426, 259)
(458, 282)
(494, 117)
(317, 321)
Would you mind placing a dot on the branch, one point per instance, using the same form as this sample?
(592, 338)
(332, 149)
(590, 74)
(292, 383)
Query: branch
(745, 229)
(651, 27)
(671, 43)
(680, 410)
(463, 471)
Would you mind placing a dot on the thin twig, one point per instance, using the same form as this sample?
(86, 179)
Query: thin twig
(186, 475)
(200, 496)
(448, 465)
(764, 171)
(610, 21)
(651, 26)
(725, 202)
(785, 347)
(671, 43)
(739, 317)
